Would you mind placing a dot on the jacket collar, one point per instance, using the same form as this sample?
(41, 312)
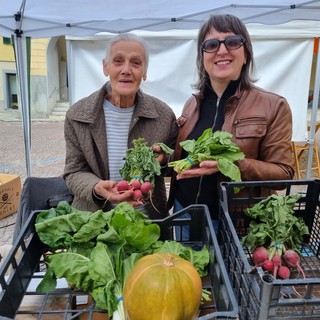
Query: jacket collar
(90, 108)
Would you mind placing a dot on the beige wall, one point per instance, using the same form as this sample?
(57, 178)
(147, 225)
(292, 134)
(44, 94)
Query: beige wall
(38, 65)
(38, 72)
(38, 55)
(6, 52)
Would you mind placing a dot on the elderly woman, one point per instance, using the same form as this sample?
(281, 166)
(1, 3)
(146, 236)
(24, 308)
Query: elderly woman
(260, 121)
(101, 127)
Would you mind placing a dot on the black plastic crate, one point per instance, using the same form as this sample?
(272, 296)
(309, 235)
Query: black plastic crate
(22, 270)
(260, 296)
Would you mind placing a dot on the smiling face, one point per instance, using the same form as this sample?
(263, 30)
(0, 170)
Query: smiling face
(223, 65)
(126, 68)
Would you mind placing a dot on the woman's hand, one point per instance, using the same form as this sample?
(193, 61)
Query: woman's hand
(205, 168)
(161, 157)
(107, 189)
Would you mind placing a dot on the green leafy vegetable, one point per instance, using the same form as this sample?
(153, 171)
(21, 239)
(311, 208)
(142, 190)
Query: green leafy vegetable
(140, 162)
(100, 249)
(275, 226)
(211, 146)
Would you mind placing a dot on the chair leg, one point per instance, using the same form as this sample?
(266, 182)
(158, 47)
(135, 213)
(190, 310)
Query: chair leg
(316, 151)
(296, 160)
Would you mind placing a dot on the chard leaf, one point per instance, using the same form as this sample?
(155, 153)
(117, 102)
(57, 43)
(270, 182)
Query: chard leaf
(105, 297)
(129, 262)
(72, 266)
(91, 228)
(62, 208)
(140, 236)
(199, 259)
(100, 272)
(111, 236)
(48, 283)
(57, 232)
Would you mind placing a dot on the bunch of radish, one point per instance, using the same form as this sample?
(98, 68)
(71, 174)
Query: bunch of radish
(141, 190)
(277, 262)
(275, 235)
(140, 170)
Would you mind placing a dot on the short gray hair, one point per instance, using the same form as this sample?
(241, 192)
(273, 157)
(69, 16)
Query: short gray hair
(128, 37)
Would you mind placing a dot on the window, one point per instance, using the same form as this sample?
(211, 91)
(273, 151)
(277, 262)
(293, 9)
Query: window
(6, 40)
(12, 91)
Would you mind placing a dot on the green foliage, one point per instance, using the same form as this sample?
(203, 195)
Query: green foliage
(275, 225)
(99, 249)
(140, 162)
(211, 146)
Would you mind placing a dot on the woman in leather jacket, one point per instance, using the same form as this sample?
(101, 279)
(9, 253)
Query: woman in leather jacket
(226, 99)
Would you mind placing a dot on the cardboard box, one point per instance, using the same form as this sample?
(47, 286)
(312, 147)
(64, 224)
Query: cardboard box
(10, 192)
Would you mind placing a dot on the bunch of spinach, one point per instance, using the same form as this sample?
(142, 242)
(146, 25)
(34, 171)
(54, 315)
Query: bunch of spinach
(96, 251)
(140, 162)
(275, 225)
(211, 146)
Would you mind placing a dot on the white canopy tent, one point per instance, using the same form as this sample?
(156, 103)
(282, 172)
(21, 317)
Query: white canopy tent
(38, 19)
(172, 68)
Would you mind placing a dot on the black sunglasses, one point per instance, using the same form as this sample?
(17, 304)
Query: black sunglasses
(231, 43)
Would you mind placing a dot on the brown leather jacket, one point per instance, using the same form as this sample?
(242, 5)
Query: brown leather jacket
(261, 125)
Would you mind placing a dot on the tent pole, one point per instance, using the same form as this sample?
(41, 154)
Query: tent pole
(20, 47)
(313, 121)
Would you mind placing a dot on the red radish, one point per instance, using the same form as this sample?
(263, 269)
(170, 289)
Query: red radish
(259, 255)
(137, 195)
(283, 272)
(146, 187)
(276, 259)
(123, 185)
(268, 265)
(292, 259)
(135, 184)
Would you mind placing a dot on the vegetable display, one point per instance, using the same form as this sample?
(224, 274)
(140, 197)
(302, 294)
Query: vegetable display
(140, 169)
(95, 251)
(162, 286)
(275, 235)
(211, 146)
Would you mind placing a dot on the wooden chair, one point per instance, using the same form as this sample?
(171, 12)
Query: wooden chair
(299, 149)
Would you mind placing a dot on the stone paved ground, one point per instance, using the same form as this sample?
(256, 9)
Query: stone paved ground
(47, 157)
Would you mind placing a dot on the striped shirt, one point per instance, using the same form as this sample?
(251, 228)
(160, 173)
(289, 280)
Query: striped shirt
(117, 125)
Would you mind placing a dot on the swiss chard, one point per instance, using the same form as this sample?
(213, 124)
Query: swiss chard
(100, 249)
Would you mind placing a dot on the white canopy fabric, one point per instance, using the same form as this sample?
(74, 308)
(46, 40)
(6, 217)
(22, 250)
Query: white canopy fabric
(172, 67)
(38, 19)
(85, 17)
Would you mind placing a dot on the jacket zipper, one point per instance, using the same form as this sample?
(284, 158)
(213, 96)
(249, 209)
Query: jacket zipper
(214, 123)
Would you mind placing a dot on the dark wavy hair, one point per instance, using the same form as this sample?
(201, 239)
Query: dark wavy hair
(225, 23)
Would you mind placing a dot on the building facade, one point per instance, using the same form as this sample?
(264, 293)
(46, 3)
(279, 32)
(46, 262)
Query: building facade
(48, 77)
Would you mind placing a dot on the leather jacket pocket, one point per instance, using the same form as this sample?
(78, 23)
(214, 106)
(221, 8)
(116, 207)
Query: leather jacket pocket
(254, 127)
(181, 120)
